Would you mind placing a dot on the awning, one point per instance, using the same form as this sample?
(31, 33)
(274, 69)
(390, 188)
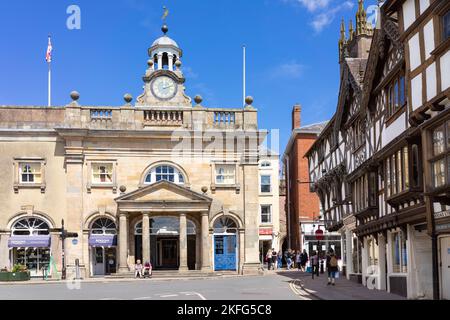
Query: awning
(42, 241)
(103, 240)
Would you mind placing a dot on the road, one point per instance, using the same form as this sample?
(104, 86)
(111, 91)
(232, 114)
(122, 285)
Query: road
(269, 287)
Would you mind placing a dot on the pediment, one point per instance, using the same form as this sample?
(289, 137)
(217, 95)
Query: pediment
(164, 191)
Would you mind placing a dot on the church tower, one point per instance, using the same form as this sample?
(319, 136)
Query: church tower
(357, 45)
(164, 79)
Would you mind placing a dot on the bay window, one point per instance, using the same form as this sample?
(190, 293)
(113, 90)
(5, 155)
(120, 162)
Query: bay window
(440, 160)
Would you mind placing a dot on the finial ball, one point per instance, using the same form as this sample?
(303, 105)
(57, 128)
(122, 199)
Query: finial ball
(178, 63)
(150, 62)
(165, 28)
(123, 189)
(249, 100)
(198, 99)
(128, 98)
(75, 95)
(204, 189)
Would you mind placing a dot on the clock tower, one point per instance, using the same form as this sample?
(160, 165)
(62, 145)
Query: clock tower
(164, 79)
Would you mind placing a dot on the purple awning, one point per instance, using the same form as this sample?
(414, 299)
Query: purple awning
(29, 241)
(103, 240)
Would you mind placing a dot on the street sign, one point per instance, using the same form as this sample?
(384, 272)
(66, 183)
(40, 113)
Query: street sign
(74, 242)
(319, 234)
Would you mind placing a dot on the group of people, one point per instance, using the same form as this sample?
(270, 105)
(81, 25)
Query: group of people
(292, 259)
(297, 259)
(143, 271)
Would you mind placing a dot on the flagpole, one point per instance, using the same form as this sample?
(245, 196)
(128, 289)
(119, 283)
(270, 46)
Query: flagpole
(49, 84)
(243, 74)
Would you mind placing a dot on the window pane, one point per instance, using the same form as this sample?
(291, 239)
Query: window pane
(399, 171)
(439, 173)
(396, 100)
(402, 94)
(406, 166)
(438, 140)
(225, 174)
(446, 22)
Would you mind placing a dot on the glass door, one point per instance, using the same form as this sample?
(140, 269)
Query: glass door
(99, 261)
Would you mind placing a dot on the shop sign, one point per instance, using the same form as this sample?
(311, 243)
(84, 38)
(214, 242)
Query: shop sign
(29, 241)
(442, 227)
(103, 240)
(265, 231)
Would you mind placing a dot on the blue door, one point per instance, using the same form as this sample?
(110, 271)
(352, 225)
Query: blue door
(225, 253)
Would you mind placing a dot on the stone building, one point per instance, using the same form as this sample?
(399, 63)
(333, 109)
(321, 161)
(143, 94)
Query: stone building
(164, 180)
(381, 165)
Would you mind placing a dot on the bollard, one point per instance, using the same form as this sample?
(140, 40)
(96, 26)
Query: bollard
(77, 269)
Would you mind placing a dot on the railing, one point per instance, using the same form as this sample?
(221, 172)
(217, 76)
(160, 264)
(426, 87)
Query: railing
(101, 114)
(224, 118)
(158, 117)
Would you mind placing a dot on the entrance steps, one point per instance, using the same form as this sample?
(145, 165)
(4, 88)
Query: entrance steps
(175, 274)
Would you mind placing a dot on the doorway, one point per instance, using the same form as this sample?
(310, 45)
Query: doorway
(167, 253)
(445, 268)
(225, 251)
(104, 261)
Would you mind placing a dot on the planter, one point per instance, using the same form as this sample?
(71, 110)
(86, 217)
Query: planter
(14, 276)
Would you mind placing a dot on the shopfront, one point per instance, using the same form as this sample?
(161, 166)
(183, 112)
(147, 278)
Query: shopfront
(29, 245)
(103, 243)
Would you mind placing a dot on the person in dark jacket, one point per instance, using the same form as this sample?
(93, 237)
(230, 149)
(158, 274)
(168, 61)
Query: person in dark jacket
(303, 260)
(332, 267)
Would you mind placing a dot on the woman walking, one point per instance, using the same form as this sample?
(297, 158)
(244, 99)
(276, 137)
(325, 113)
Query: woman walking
(298, 260)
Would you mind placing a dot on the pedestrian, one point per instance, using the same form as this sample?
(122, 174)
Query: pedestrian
(274, 259)
(314, 263)
(269, 259)
(332, 267)
(280, 259)
(147, 269)
(138, 269)
(298, 261)
(289, 259)
(304, 259)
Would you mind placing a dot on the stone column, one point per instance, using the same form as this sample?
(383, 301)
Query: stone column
(170, 55)
(206, 263)
(183, 243)
(56, 250)
(123, 244)
(4, 251)
(145, 237)
(349, 251)
(381, 262)
(198, 249)
(160, 66)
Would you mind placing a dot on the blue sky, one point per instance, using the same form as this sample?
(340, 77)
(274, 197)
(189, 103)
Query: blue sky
(292, 54)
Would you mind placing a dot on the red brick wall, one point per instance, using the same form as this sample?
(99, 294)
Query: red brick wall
(304, 204)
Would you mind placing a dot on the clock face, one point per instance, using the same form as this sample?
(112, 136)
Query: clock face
(164, 88)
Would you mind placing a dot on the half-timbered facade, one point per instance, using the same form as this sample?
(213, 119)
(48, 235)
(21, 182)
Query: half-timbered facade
(372, 182)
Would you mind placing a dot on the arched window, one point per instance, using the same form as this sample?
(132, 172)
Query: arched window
(225, 225)
(30, 227)
(104, 226)
(164, 172)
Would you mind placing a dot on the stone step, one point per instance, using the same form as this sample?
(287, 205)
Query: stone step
(160, 274)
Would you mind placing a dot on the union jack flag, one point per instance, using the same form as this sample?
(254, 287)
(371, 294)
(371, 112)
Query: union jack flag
(48, 56)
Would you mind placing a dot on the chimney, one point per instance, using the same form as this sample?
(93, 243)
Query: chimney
(296, 116)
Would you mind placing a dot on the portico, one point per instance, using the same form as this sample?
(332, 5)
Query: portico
(160, 223)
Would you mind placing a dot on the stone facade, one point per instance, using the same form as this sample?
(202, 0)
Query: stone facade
(162, 160)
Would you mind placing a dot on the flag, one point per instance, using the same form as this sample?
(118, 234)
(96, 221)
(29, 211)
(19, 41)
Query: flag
(48, 56)
(166, 13)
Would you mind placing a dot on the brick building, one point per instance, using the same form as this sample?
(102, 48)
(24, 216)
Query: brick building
(302, 205)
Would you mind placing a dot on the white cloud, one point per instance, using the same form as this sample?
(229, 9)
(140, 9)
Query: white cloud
(290, 69)
(189, 73)
(313, 5)
(323, 11)
(323, 19)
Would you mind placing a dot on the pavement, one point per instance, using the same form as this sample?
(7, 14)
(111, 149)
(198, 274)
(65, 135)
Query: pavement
(274, 285)
(343, 290)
